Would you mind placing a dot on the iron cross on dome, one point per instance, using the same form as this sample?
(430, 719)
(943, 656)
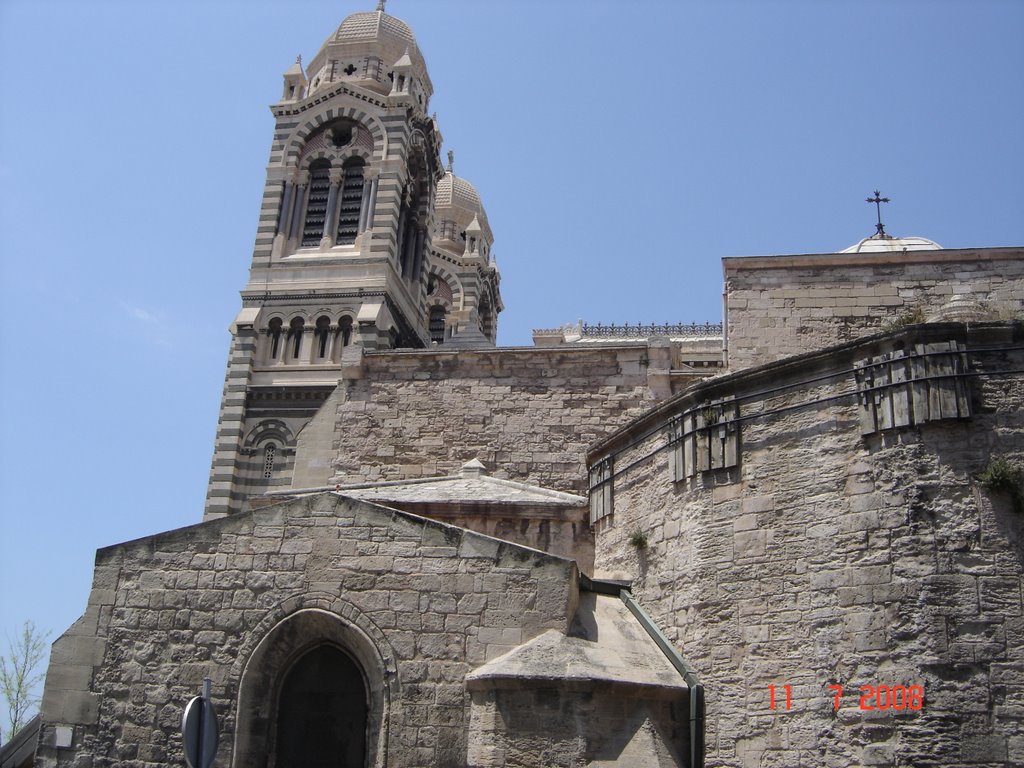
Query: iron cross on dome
(878, 200)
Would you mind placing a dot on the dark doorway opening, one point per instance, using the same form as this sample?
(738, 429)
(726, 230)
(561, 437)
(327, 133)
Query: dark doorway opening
(321, 713)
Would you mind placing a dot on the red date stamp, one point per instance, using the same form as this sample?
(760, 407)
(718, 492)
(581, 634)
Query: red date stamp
(872, 697)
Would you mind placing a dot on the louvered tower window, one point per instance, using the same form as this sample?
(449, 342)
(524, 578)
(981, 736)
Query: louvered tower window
(351, 202)
(437, 324)
(316, 206)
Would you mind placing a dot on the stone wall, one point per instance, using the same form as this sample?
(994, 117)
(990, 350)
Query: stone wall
(830, 557)
(562, 531)
(785, 305)
(600, 726)
(417, 603)
(527, 414)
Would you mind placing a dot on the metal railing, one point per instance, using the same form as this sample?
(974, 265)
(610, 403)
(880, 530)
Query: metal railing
(642, 330)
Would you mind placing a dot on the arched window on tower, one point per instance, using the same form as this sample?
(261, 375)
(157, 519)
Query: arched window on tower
(437, 318)
(316, 203)
(274, 333)
(323, 335)
(298, 325)
(351, 202)
(345, 329)
(269, 455)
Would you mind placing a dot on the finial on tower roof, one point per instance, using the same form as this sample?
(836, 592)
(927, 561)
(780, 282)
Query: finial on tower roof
(380, 5)
(451, 161)
(878, 200)
(298, 59)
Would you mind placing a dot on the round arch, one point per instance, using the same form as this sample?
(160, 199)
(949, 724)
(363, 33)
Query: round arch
(339, 157)
(453, 283)
(269, 429)
(296, 141)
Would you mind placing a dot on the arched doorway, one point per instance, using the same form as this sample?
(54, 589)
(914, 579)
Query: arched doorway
(289, 662)
(321, 713)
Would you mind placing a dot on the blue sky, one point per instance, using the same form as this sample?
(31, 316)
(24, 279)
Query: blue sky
(621, 150)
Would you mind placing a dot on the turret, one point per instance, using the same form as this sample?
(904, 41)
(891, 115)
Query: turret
(294, 82)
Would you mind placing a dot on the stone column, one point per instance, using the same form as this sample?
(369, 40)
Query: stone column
(331, 216)
(283, 221)
(372, 206)
(295, 227)
(364, 205)
(286, 201)
(307, 353)
(332, 335)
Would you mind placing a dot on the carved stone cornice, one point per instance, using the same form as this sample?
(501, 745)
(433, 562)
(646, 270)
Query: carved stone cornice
(313, 101)
(298, 298)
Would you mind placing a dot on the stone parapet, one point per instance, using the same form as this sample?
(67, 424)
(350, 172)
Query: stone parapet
(784, 305)
(527, 413)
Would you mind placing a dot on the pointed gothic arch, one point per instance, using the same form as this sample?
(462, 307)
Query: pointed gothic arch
(321, 712)
(283, 644)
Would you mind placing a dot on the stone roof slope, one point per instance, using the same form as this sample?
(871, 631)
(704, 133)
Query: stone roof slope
(606, 645)
(470, 484)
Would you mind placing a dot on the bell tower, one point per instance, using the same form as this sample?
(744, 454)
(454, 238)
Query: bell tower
(344, 254)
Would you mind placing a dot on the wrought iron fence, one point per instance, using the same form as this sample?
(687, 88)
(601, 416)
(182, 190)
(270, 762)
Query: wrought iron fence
(668, 329)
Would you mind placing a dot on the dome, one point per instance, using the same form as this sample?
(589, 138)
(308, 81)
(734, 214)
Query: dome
(883, 244)
(453, 191)
(457, 200)
(375, 25)
(358, 42)
(456, 206)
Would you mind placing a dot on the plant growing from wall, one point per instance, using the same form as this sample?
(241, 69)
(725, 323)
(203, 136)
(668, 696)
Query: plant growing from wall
(1002, 476)
(710, 415)
(912, 316)
(638, 539)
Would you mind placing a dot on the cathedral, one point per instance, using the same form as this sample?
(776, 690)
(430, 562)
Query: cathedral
(792, 538)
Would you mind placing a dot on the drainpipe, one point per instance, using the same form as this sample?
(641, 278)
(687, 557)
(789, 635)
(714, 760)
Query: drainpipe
(697, 724)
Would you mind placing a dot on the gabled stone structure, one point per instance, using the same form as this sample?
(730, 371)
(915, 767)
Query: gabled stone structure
(393, 608)
(547, 520)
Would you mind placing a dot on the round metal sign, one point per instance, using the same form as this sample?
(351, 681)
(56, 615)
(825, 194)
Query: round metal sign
(199, 729)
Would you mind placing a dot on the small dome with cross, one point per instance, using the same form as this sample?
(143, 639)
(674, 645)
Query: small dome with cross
(876, 244)
(458, 205)
(883, 242)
